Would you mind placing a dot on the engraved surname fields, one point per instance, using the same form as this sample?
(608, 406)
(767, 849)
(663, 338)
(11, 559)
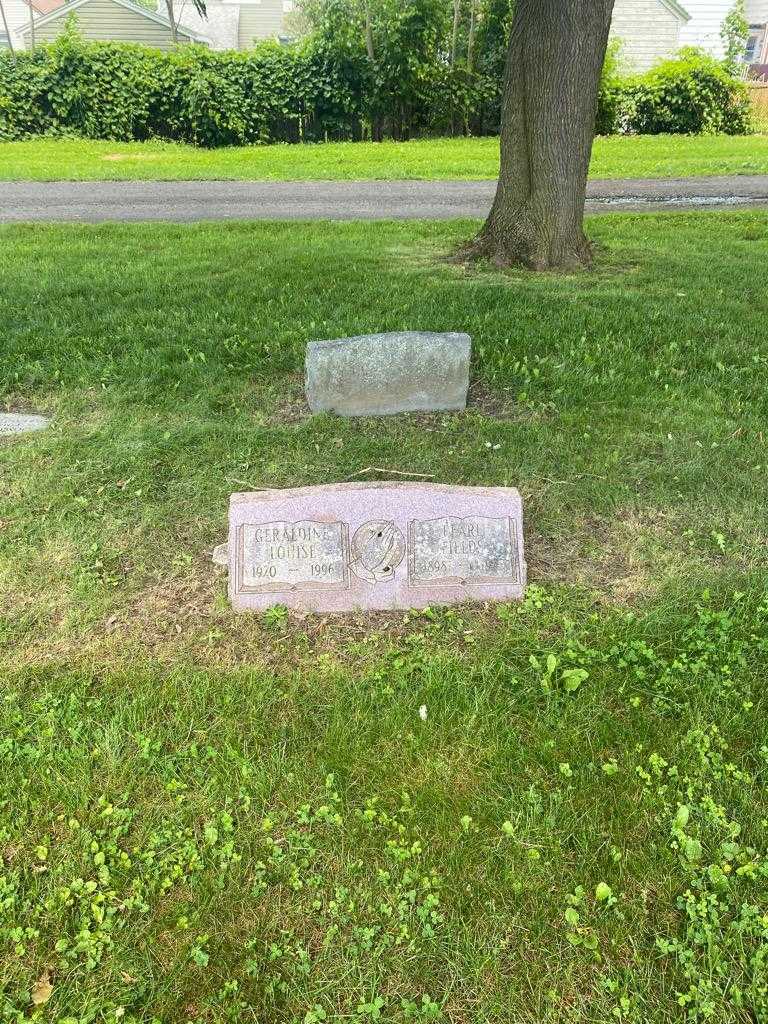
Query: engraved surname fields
(471, 549)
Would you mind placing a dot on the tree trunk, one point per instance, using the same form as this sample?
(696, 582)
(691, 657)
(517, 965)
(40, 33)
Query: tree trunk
(549, 103)
(455, 32)
(471, 37)
(7, 30)
(377, 131)
(172, 19)
(369, 35)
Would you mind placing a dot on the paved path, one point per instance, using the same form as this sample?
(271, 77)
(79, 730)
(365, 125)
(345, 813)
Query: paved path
(97, 201)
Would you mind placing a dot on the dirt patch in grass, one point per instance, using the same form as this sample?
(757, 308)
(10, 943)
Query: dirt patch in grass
(290, 407)
(590, 555)
(189, 620)
(492, 404)
(16, 403)
(622, 561)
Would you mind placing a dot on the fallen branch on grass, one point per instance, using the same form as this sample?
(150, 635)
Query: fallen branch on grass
(391, 472)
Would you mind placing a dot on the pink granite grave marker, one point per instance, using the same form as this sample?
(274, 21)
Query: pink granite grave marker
(344, 547)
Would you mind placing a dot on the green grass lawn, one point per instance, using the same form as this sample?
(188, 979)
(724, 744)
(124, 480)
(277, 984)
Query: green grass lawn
(614, 157)
(208, 817)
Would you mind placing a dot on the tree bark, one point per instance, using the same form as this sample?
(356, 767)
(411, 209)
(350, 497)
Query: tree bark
(455, 31)
(172, 19)
(377, 133)
(471, 36)
(549, 103)
(7, 30)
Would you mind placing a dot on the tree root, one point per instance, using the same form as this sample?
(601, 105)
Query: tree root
(513, 250)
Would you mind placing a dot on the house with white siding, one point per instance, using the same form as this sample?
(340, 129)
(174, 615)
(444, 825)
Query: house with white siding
(757, 42)
(121, 21)
(648, 30)
(652, 30)
(236, 24)
(17, 14)
(703, 29)
(230, 25)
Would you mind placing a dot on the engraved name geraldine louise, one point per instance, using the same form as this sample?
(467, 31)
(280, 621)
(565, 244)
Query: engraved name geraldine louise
(283, 540)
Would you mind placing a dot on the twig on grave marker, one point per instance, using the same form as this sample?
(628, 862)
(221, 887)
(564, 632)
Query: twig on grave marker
(391, 472)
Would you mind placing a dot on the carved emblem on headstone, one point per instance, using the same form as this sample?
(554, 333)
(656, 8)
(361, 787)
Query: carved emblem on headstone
(378, 547)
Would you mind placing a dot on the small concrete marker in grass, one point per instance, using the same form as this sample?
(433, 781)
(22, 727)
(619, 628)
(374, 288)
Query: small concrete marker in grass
(220, 555)
(359, 546)
(383, 374)
(13, 423)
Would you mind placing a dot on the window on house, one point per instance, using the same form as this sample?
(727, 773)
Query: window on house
(755, 43)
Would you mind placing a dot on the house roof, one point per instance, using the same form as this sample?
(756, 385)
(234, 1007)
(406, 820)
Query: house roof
(65, 9)
(677, 9)
(46, 6)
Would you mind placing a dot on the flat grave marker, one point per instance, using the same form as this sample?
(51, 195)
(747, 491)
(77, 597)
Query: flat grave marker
(357, 546)
(14, 423)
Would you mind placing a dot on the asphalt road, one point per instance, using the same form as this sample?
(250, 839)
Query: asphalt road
(184, 201)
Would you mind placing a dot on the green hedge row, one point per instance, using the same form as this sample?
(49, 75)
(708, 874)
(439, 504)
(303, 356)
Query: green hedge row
(126, 92)
(291, 94)
(692, 95)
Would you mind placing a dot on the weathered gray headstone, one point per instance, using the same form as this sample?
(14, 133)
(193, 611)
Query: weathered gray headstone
(381, 374)
(344, 547)
(12, 423)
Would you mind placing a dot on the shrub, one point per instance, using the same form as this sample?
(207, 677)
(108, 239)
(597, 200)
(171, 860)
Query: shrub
(692, 95)
(610, 94)
(124, 92)
(309, 93)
